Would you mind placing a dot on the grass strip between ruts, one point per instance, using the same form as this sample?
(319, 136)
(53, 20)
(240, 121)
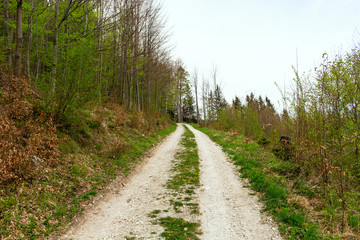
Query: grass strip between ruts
(182, 185)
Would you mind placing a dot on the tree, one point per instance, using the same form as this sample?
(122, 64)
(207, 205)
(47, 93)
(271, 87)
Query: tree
(7, 31)
(188, 104)
(79, 51)
(19, 38)
(195, 82)
(236, 104)
(219, 100)
(181, 77)
(205, 89)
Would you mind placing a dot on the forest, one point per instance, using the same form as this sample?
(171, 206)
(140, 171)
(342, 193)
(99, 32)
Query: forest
(60, 58)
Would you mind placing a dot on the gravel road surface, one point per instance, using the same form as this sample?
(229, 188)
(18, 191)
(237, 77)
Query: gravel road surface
(227, 211)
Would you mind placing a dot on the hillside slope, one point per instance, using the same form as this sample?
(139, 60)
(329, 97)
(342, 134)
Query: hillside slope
(51, 167)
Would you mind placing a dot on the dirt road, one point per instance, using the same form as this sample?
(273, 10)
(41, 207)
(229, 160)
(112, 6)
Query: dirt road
(227, 211)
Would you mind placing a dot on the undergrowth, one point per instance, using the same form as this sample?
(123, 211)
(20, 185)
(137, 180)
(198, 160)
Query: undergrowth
(27, 134)
(286, 196)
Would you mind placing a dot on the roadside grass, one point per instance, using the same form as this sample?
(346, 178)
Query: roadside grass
(182, 185)
(91, 158)
(284, 194)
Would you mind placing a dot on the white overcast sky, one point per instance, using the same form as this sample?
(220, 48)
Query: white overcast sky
(253, 42)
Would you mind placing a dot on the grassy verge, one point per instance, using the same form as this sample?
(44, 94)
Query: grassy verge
(101, 148)
(182, 186)
(285, 197)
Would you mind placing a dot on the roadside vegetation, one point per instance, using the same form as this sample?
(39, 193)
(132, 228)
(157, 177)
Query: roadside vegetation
(286, 196)
(182, 196)
(49, 172)
(315, 139)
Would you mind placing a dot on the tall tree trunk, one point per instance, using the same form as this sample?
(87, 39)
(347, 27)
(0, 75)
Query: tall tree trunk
(197, 107)
(131, 79)
(204, 100)
(180, 102)
(86, 17)
(37, 45)
(114, 84)
(138, 96)
(324, 134)
(136, 53)
(29, 40)
(55, 50)
(7, 31)
(19, 38)
(195, 79)
(356, 164)
(156, 95)
(100, 54)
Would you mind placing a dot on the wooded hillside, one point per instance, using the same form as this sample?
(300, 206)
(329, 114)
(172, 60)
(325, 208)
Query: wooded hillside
(76, 52)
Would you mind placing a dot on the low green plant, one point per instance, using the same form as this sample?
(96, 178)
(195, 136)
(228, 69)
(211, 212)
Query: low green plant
(263, 141)
(69, 146)
(179, 229)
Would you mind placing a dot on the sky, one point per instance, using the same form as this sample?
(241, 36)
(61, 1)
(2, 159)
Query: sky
(254, 43)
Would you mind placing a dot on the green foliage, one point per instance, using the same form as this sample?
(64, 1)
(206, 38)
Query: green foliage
(79, 58)
(325, 127)
(188, 105)
(179, 229)
(288, 169)
(263, 141)
(77, 126)
(79, 171)
(283, 151)
(69, 146)
(2, 50)
(354, 222)
(230, 119)
(251, 124)
(257, 119)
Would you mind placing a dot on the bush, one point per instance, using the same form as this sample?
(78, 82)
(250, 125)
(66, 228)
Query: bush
(263, 141)
(284, 151)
